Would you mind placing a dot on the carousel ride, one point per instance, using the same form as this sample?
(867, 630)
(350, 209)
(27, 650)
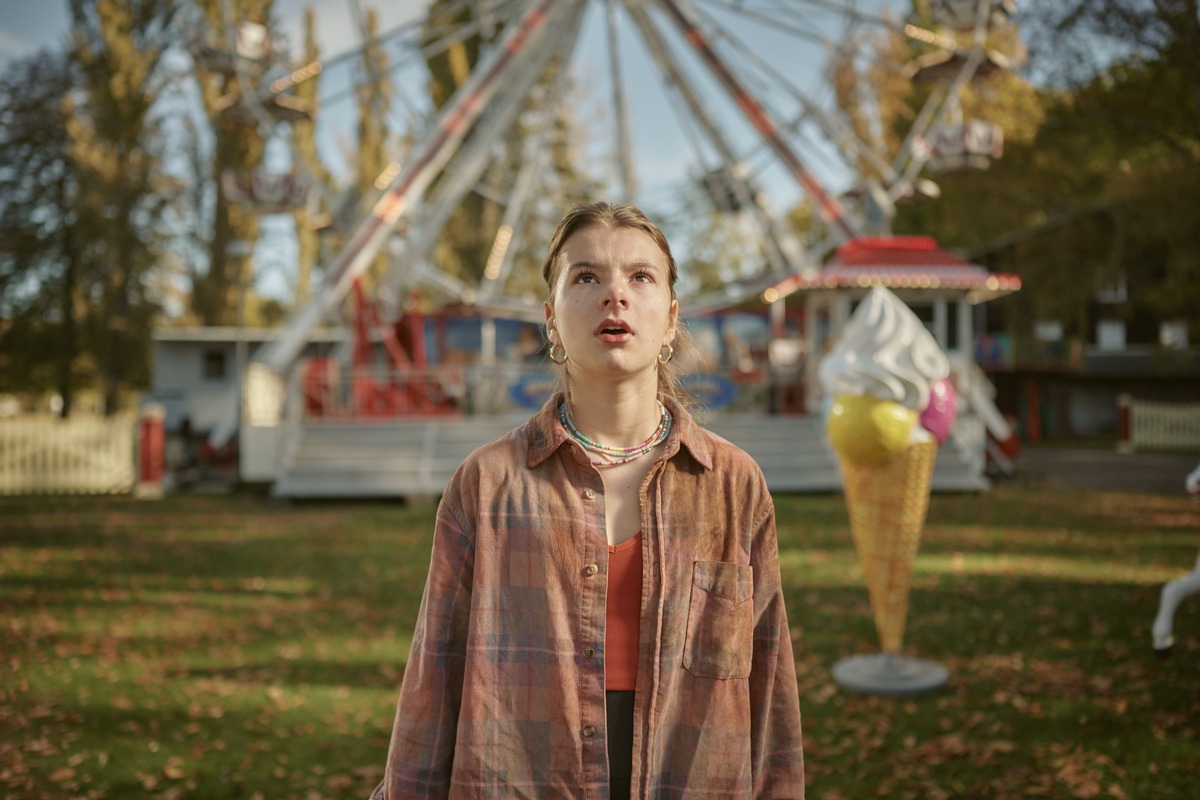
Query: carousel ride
(711, 105)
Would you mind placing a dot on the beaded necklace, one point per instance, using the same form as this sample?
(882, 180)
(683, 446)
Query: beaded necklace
(622, 455)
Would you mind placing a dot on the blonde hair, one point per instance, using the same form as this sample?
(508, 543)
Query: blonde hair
(619, 215)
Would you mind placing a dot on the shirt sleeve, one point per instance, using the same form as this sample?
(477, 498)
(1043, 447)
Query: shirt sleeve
(421, 755)
(777, 753)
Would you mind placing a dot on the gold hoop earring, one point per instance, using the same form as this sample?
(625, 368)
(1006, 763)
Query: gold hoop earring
(670, 353)
(554, 350)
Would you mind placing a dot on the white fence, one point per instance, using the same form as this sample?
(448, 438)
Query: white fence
(42, 454)
(1159, 426)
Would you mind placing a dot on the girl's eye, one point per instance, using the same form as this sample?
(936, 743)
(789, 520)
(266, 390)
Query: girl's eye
(586, 277)
(643, 277)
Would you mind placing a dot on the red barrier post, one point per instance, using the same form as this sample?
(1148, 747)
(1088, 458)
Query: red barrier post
(1124, 423)
(151, 452)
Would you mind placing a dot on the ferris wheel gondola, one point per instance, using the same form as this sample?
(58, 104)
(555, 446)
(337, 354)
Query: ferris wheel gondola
(251, 48)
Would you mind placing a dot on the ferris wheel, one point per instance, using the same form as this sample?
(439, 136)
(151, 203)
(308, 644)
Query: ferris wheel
(724, 104)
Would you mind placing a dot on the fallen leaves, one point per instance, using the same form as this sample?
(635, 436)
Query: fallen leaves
(173, 770)
(62, 774)
(230, 635)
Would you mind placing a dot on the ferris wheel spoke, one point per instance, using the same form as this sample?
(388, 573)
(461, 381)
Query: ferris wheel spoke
(624, 145)
(833, 127)
(767, 21)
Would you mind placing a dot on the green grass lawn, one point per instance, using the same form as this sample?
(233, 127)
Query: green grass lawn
(203, 647)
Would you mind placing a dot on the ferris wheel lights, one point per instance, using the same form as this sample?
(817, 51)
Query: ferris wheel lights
(929, 37)
(770, 295)
(299, 75)
(389, 173)
(495, 258)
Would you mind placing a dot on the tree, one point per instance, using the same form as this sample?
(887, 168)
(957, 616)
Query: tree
(1117, 207)
(237, 146)
(118, 49)
(306, 217)
(1116, 165)
(374, 103)
(40, 245)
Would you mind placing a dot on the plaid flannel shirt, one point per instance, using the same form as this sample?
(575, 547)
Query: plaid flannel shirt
(503, 693)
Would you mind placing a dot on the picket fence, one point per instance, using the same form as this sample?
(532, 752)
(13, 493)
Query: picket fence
(1148, 425)
(43, 454)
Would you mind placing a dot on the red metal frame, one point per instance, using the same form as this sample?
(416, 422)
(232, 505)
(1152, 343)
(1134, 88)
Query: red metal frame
(399, 385)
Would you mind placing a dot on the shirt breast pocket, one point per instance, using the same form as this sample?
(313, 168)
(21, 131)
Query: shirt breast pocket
(720, 623)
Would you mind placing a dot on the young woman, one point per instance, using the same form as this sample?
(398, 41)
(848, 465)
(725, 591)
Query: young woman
(603, 616)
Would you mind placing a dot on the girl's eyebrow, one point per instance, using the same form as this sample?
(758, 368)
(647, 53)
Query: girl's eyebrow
(632, 265)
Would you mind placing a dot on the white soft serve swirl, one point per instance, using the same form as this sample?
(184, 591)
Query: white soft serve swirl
(886, 352)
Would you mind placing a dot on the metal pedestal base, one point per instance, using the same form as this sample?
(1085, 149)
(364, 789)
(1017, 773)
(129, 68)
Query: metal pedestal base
(882, 673)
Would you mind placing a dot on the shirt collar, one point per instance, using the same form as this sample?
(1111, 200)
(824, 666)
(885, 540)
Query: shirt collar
(546, 433)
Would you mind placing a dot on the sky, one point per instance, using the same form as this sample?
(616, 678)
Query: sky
(25, 27)
(664, 158)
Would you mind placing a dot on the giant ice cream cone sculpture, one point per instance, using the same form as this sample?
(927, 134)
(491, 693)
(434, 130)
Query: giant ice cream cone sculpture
(887, 505)
(881, 375)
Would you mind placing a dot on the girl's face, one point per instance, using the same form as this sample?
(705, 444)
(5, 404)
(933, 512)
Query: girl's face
(611, 307)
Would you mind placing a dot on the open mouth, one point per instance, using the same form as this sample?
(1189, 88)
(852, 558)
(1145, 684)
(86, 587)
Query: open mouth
(613, 328)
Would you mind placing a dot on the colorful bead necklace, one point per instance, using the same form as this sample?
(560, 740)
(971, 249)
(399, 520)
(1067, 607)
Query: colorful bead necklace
(615, 456)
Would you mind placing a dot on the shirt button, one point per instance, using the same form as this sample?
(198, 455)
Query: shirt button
(589, 652)
(590, 494)
(589, 731)
(591, 569)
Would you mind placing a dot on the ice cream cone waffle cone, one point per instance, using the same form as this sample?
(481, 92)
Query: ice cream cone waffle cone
(887, 504)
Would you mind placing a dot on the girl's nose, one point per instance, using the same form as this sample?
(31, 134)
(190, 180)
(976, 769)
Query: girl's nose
(614, 294)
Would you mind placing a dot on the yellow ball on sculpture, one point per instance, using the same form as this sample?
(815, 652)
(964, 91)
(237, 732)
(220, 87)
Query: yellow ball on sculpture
(867, 430)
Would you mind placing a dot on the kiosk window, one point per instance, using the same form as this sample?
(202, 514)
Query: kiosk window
(214, 365)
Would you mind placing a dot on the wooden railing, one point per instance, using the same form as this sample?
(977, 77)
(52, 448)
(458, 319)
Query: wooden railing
(1149, 425)
(43, 454)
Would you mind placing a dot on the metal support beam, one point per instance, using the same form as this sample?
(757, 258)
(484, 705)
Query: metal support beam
(624, 144)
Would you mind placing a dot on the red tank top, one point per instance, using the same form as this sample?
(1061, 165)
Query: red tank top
(623, 611)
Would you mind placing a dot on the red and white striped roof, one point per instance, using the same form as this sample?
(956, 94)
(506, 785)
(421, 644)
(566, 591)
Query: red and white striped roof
(901, 262)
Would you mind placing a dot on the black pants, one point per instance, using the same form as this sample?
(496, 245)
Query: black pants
(619, 706)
